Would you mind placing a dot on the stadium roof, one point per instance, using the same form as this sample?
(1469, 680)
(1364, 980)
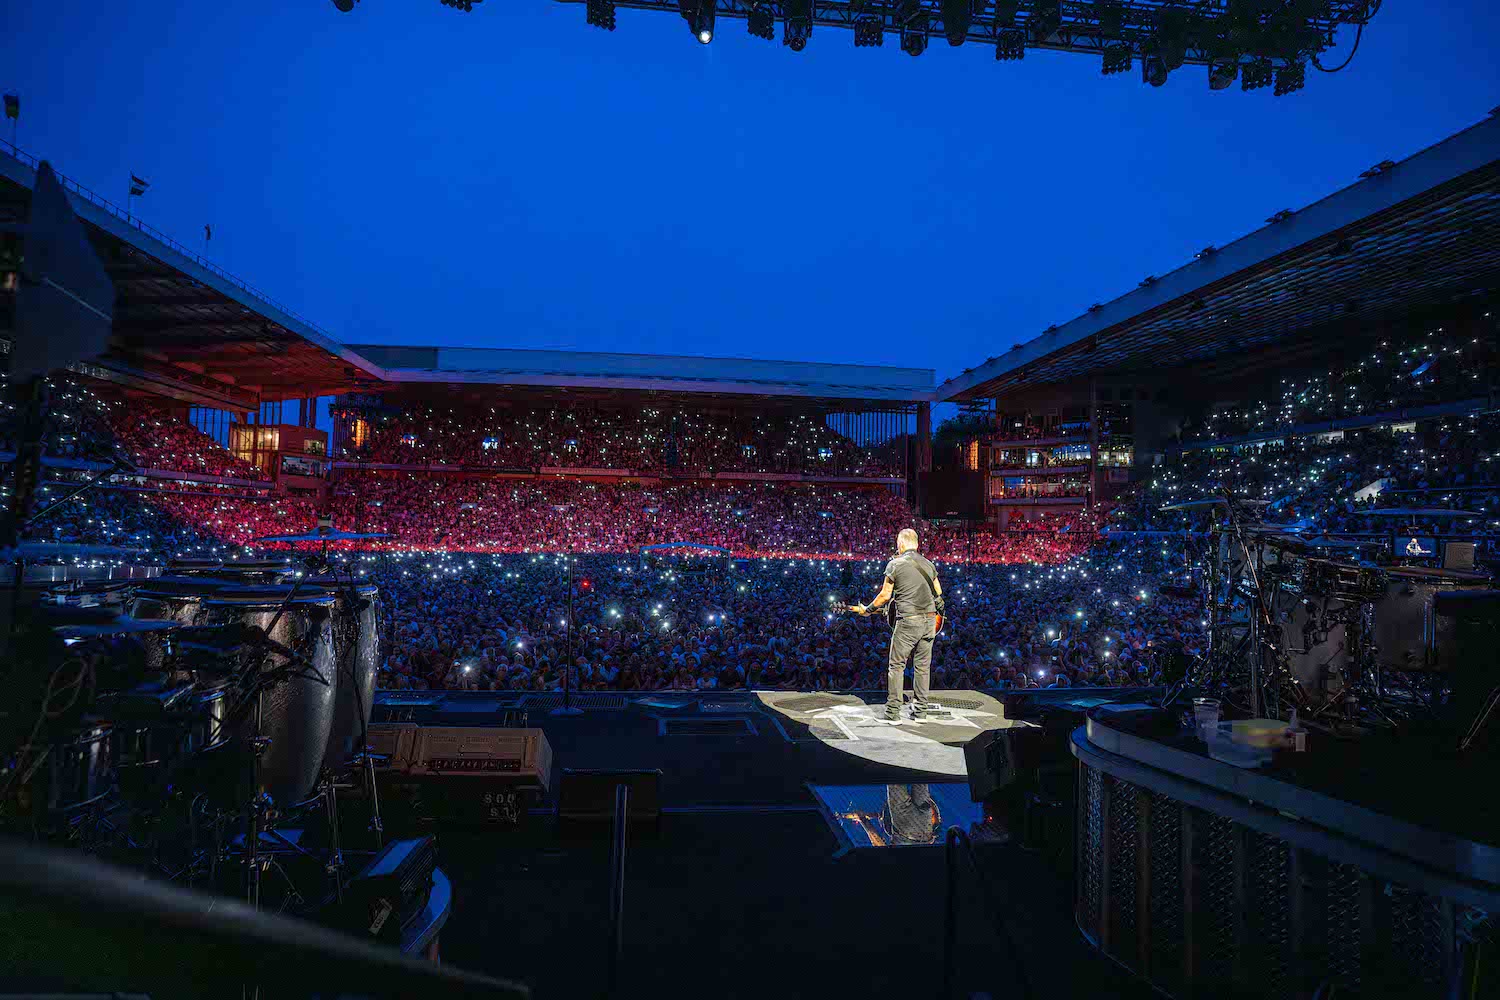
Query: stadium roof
(1422, 232)
(183, 325)
(650, 373)
(187, 328)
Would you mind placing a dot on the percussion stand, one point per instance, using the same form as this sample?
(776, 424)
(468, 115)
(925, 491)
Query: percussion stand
(1262, 625)
(366, 760)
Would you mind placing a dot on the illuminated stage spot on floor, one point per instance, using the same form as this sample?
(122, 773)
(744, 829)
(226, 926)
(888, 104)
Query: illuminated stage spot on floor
(857, 726)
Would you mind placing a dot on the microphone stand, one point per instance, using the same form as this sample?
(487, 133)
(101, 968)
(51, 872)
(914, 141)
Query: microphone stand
(567, 707)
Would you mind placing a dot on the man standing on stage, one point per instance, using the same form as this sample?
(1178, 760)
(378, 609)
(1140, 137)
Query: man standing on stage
(910, 581)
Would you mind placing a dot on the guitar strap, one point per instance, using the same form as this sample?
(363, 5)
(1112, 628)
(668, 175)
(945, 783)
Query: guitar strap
(931, 585)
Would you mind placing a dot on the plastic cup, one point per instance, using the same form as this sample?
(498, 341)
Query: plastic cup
(1206, 717)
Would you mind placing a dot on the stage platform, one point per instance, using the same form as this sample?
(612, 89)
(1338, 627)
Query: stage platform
(760, 881)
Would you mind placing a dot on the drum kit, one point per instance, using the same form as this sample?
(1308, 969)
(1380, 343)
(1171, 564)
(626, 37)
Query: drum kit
(1315, 623)
(204, 723)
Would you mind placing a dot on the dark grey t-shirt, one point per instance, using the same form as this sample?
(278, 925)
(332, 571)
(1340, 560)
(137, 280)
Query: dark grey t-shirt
(909, 590)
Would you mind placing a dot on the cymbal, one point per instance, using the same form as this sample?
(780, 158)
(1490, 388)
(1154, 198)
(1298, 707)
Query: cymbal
(1208, 502)
(117, 626)
(327, 536)
(48, 550)
(1320, 542)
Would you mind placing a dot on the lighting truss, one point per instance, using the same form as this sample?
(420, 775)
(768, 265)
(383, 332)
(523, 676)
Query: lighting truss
(1260, 39)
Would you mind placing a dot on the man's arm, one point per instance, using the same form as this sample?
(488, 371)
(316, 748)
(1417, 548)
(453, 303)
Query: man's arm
(880, 598)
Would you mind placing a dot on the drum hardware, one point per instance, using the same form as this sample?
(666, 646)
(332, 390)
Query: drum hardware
(213, 737)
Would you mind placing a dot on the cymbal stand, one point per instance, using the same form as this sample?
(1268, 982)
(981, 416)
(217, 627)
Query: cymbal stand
(1269, 672)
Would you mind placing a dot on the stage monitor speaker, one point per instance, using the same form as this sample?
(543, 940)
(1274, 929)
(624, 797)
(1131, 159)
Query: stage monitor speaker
(587, 797)
(1001, 758)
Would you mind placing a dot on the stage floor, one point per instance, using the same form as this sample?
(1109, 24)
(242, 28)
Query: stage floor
(753, 885)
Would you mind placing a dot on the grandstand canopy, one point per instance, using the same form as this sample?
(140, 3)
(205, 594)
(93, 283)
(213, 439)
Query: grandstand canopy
(1421, 233)
(184, 327)
(594, 373)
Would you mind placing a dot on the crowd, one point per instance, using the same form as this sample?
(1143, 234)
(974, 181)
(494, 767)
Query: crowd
(640, 438)
(156, 439)
(472, 568)
(75, 426)
(1444, 364)
(1338, 483)
(685, 623)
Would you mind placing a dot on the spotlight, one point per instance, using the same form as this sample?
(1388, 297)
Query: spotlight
(957, 15)
(699, 14)
(762, 21)
(1256, 74)
(1045, 20)
(798, 26)
(1116, 58)
(1171, 39)
(344, 5)
(1010, 45)
(1154, 71)
(1290, 78)
(1222, 71)
(914, 34)
(869, 31)
(601, 14)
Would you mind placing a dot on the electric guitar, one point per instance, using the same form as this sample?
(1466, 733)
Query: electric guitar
(889, 611)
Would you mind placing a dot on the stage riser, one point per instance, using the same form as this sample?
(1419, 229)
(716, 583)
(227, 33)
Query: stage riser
(1201, 904)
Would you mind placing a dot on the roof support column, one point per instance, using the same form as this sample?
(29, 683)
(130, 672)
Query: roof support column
(924, 453)
(1093, 443)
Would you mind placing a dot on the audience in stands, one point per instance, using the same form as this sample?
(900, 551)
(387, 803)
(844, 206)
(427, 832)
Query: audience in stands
(641, 438)
(157, 440)
(473, 575)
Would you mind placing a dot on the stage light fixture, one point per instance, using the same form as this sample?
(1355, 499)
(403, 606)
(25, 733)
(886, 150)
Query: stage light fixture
(1171, 39)
(1117, 58)
(797, 28)
(1256, 74)
(1290, 78)
(957, 16)
(1222, 72)
(868, 31)
(1153, 71)
(601, 14)
(914, 35)
(1010, 45)
(345, 6)
(761, 21)
(699, 14)
(1045, 20)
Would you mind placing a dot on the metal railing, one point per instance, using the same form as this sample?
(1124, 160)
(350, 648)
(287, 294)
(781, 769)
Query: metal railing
(104, 204)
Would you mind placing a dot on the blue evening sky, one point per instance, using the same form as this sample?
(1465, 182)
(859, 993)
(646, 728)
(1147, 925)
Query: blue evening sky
(513, 177)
